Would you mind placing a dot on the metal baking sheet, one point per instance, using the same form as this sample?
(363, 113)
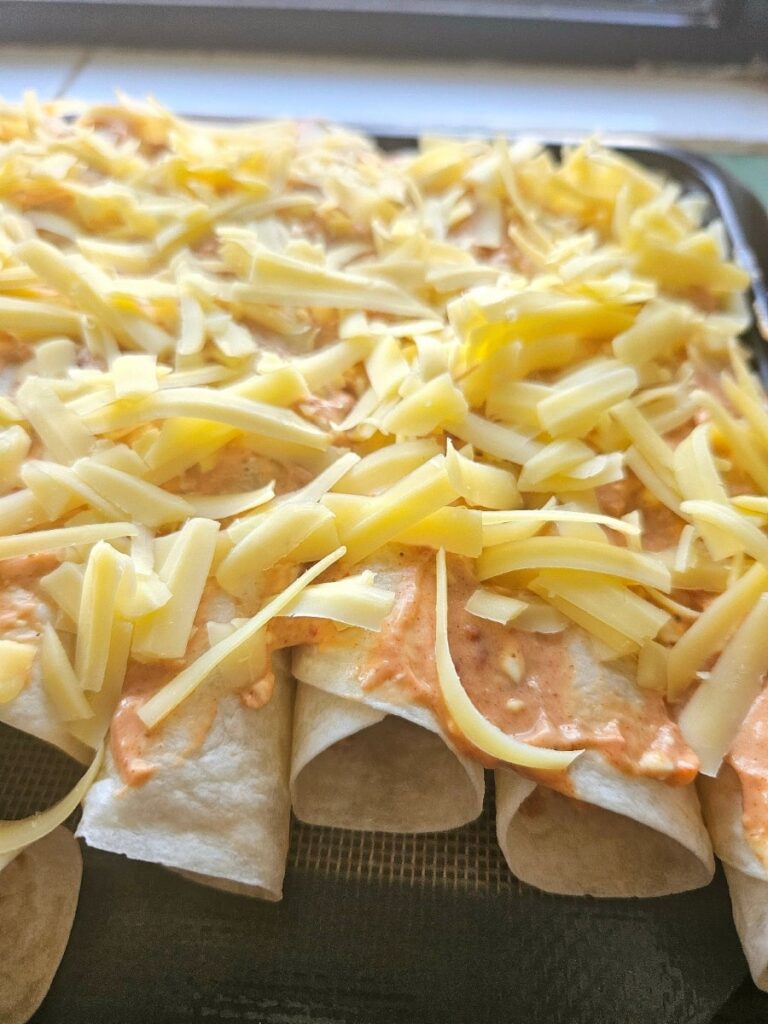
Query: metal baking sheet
(399, 929)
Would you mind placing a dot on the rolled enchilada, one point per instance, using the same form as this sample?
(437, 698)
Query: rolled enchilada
(610, 825)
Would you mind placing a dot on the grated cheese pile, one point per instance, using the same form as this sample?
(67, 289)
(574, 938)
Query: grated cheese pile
(475, 348)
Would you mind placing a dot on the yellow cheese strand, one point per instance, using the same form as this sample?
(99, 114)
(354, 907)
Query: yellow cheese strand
(62, 537)
(573, 553)
(707, 635)
(15, 667)
(16, 834)
(418, 495)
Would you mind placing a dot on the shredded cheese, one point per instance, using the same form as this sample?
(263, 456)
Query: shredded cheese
(707, 634)
(170, 696)
(383, 468)
(134, 375)
(578, 400)
(652, 667)
(248, 415)
(435, 403)
(232, 351)
(16, 834)
(59, 679)
(91, 731)
(65, 586)
(353, 601)
(737, 527)
(698, 479)
(15, 668)
(63, 434)
(576, 554)
(497, 439)
(499, 527)
(96, 614)
(65, 536)
(142, 501)
(712, 717)
(418, 495)
(225, 506)
(481, 484)
(165, 632)
(606, 601)
(273, 536)
(489, 604)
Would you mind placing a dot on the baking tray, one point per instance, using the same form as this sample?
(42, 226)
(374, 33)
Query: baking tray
(400, 929)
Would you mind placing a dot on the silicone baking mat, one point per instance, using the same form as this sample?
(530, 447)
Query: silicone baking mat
(396, 929)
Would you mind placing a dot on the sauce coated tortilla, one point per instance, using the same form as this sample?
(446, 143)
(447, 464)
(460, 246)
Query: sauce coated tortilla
(526, 683)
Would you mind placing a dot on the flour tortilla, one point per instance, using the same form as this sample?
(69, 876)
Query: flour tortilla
(218, 811)
(617, 834)
(722, 806)
(747, 875)
(749, 902)
(355, 766)
(38, 899)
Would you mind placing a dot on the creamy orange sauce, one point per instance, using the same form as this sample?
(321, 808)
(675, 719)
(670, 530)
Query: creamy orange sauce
(749, 757)
(18, 609)
(21, 602)
(526, 683)
(661, 527)
(287, 632)
(239, 468)
(128, 735)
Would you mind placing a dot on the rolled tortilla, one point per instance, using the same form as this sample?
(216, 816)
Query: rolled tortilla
(38, 899)
(749, 901)
(617, 835)
(747, 875)
(355, 766)
(217, 809)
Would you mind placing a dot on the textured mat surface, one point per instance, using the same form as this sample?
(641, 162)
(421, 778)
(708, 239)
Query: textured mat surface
(374, 928)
